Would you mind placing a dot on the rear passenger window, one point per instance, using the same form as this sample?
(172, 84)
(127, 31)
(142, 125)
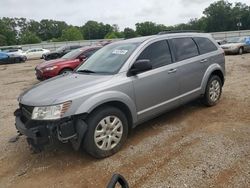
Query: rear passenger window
(205, 45)
(158, 53)
(184, 48)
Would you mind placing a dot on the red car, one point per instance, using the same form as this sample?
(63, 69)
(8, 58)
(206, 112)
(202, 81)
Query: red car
(67, 63)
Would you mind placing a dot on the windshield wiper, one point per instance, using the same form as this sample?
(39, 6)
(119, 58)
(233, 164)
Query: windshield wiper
(86, 71)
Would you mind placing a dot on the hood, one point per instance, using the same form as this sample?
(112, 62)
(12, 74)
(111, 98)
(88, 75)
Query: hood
(62, 88)
(228, 45)
(54, 62)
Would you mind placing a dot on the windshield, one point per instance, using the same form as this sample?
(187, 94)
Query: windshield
(236, 40)
(73, 54)
(109, 59)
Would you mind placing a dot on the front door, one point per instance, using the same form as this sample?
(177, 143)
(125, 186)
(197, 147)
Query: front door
(156, 89)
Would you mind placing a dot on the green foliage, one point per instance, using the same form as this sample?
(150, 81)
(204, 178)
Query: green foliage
(7, 32)
(129, 33)
(49, 29)
(29, 38)
(148, 28)
(71, 34)
(95, 30)
(3, 40)
(114, 35)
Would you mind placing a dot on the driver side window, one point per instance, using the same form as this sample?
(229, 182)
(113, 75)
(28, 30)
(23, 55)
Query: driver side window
(158, 53)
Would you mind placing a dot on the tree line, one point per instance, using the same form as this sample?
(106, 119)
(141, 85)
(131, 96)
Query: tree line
(218, 16)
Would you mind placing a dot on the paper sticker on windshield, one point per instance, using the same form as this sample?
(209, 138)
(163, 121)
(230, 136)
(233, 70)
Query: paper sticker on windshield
(120, 52)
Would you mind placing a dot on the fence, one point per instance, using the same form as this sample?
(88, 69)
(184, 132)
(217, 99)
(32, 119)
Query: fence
(55, 45)
(229, 34)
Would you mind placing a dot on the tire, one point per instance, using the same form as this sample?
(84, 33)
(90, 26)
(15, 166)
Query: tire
(213, 91)
(65, 70)
(101, 140)
(241, 50)
(18, 60)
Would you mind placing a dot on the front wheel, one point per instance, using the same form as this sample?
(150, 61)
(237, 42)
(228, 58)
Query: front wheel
(213, 91)
(107, 132)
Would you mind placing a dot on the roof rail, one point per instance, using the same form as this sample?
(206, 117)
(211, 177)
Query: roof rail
(179, 31)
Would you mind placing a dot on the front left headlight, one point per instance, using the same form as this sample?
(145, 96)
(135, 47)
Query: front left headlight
(50, 68)
(50, 112)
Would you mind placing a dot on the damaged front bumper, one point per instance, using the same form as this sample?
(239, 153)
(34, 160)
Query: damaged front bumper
(40, 133)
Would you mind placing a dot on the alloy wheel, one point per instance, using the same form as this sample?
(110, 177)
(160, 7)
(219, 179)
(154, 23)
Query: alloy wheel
(108, 133)
(214, 91)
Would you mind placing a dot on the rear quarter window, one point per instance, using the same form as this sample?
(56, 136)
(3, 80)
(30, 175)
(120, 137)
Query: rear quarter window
(184, 48)
(205, 45)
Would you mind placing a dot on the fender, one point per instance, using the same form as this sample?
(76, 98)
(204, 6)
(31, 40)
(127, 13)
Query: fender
(107, 96)
(208, 73)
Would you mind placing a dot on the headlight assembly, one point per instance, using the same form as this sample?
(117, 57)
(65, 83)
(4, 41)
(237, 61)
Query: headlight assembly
(50, 68)
(50, 112)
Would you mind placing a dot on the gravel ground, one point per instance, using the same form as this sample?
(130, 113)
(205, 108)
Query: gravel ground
(192, 146)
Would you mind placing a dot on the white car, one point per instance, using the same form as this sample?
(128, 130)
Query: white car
(35, 53)
(14, 51)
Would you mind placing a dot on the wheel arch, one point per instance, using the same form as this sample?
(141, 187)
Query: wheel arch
(213, 70)
(115, 99)
(121, 106)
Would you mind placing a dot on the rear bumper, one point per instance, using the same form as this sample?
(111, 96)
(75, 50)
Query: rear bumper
(231, 51)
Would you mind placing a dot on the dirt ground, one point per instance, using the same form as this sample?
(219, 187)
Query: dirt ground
(192, 146)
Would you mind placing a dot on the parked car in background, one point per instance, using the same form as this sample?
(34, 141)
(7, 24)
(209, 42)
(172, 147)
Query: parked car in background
(35, 53)
(237, 45)
(122, 85)
(7, 59)
(67, 63)
(60, 52)
(221, 42)
(16, 52)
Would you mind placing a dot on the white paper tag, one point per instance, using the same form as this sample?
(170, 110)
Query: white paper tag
(120, 52)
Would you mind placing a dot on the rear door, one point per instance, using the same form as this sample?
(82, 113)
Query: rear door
(156, 89)
(191, 66)
(39, 53)
(31, 53)
(207, 49)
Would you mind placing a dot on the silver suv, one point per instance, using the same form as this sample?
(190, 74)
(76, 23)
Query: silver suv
(120, 86)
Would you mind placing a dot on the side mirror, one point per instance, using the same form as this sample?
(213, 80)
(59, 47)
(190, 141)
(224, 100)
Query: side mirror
(118, 179)
(140, 66)
(82, 57)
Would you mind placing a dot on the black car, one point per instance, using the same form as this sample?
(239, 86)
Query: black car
(60, 52)
(7, 59)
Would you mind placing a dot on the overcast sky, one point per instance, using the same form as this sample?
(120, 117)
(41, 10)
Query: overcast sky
(125, 13)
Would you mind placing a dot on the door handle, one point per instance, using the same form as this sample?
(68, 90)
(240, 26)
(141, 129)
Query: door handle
(172, 71)
(203, 61)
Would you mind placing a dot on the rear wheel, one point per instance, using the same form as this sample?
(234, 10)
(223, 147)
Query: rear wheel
(240, 51)
(107, 131)
(213, 91)
(18, 60)
(66, 70)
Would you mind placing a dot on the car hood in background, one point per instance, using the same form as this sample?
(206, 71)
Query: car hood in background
(60, 88)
